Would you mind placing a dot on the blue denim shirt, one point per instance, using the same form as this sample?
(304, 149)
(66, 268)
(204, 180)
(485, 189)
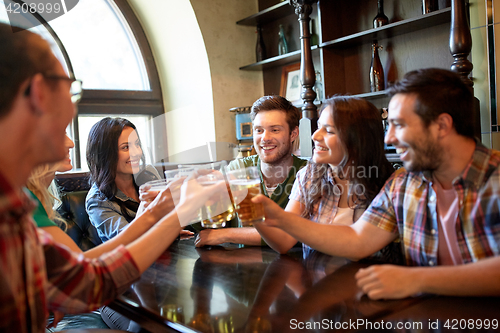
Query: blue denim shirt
(105, 215)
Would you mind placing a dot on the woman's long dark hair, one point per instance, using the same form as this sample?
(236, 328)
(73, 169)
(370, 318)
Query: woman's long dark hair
(358, 125)
(102, 153)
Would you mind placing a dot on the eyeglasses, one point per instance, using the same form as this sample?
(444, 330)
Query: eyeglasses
(75, 89)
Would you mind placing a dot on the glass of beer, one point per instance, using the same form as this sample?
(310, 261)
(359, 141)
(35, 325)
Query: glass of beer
(176, 177)
(245, 184)
(172, 312)
(156, 185)
(220, 209)
(170, 176)
(181, 172)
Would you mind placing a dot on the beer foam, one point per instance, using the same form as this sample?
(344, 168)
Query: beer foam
(244, 182)
(209, 182)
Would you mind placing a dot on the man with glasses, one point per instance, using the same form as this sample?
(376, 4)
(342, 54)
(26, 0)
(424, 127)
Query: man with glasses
(37, 275)
(75, 89)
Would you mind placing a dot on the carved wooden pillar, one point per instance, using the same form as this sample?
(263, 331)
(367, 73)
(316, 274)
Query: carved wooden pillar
(460, 41)
(308, 123)
(460, 48)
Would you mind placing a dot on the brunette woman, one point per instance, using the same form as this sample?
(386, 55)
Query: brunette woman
(117, 169)
(347, 170)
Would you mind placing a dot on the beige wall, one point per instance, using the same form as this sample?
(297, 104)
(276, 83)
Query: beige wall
(198, 49)
(479, 23)
(229, 46)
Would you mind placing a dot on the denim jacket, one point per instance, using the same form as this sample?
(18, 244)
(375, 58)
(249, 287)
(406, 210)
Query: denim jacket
(105, 215)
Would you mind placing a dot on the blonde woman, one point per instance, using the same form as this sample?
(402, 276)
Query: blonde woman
(41, 184)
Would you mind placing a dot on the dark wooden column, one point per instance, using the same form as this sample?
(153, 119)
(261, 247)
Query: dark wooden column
(308, 123)
(460, 48)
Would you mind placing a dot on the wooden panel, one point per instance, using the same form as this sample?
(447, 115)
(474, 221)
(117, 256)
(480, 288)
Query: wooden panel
(272, 81)
(292, 34)
(333, 71)
(399, 55)
(268, 14)
(392, 29)
(272, 76)
(270, 37)
(264, 4)
(411, 40)
(330, 14)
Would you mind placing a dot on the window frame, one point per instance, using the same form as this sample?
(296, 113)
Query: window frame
(119, 102)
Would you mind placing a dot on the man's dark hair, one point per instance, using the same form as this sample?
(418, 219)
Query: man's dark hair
(275, 102)
(439, 91)
(23, 55)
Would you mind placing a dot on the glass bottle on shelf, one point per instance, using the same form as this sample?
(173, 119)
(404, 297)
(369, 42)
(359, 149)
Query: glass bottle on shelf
(380, 19)
(376, 70)
(318, 87)
(312, 31)
(282, 43)
(260, 48)
(429, 6)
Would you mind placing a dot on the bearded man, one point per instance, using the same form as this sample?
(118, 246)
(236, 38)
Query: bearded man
(275, 128)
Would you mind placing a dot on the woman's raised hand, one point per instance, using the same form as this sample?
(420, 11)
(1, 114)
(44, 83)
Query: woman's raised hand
(193, 196)
(160, 203)
(274, 213)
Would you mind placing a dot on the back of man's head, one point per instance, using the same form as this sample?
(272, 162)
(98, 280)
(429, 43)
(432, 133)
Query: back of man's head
(277, 103)
(439, 91)
(23, 55)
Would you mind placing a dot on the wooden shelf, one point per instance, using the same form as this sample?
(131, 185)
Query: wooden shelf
(281, 60)
(377, 94)
(387, 31)
(268, 15)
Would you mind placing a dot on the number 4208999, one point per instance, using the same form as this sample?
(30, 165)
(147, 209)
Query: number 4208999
(32, 8)
(455, 324)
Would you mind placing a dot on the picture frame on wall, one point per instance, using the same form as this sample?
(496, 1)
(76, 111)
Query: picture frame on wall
(291, 87)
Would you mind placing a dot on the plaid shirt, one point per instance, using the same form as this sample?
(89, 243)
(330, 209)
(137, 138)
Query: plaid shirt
(68, 282)
(325, 210)
(407, 205)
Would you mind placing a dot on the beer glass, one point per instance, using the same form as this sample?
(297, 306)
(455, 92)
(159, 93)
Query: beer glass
(181, 172)
(202, 322)
(245, 184)
(170, 176)
(223, 324)
(156, 185)
(175, 176)
(172, 312)
(219, 210)
(258, 324)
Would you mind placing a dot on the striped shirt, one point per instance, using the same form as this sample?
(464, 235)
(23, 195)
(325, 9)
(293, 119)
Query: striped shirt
(407, 206)
(30, 285)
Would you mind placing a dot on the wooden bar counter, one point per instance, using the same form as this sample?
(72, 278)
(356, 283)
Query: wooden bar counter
(225, 289)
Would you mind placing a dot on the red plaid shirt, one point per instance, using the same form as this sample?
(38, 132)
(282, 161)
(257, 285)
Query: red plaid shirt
(30, 285)
(407, 206)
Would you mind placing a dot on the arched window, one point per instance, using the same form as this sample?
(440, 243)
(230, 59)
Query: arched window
(102, 43)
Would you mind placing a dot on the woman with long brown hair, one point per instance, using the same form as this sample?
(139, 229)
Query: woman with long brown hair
(117, 169)
(347, 170)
